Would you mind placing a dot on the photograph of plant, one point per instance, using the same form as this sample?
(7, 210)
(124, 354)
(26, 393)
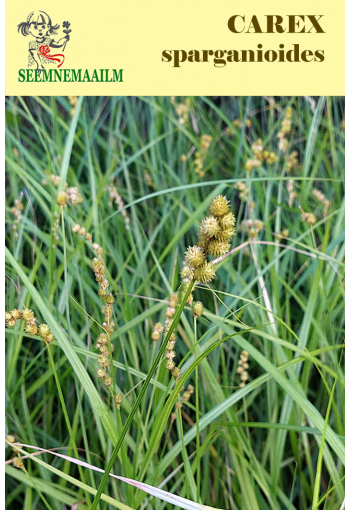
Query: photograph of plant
(174, 299)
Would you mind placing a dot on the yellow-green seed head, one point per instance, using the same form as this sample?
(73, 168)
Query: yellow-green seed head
(228, 221)
(219, 206)
(108, 381)
(197, 308)
(174, 297)
(155, 335)
(101, 373)
(102, 338)
(28, 315)
(96, 264)
(176, 373)
(107, 311)
(110, 299)
(190, 388)
(118, 399)
(225, 235)
(17, 462)
(205, 273)
(218, 248)
(103, 361)
(158, 327)
(44, 330)
(187, 272)
(102, 293)
(11, 439)
(103, 349)
(11, 323)
(170, 346)
(62, 198)
(259, 225)
(49, 338)
(210, 226)
(16, 314)
(8, 317)
(32, 329)
(169, 364)
(203, 241)
(194, 256)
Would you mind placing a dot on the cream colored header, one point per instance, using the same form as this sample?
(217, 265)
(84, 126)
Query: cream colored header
(183, 48)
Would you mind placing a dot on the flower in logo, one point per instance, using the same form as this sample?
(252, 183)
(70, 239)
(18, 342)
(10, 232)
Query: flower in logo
(66, 24)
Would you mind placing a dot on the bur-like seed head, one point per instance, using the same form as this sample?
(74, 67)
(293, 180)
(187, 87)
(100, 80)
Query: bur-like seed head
(108, 380)
(169, 364)
(228, 221)
(62, 198)
(107, 311)
(210, 226)
(197, 308)
(219, 206)
(10, 438)
(170, 354)
(8, 317)
(170, 346)
(102, 293)
(28, 315)
(174, 298)
(205, 273)
(158, 327)
(49, 338)
(101, 373)
(44, 330)
(17, 462)
(194, 256)
(32, 329)
(187, 272)
(176, 373)
(11, 323)
(103, 361)
(155, 335)
(96, 264)
(102, 338)
(16, 314)
(218, 248)
(110, 299)
(190, 388)
(225, 235)
(118, 399)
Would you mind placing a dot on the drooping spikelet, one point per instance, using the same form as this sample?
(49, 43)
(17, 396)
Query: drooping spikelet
(219, 206)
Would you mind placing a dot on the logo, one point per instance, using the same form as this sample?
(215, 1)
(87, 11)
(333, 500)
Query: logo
(44, 66)
(41, 29)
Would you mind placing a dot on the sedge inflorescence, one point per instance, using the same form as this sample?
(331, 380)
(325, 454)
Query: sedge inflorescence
(28, 316)
(215, 236)
(243, 367)
(17, 210)
(260, 155)
(103, 343)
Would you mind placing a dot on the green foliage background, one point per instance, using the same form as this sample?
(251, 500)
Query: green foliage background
(277, 443)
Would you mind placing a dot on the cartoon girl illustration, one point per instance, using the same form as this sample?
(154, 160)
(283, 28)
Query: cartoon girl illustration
(39, 26)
